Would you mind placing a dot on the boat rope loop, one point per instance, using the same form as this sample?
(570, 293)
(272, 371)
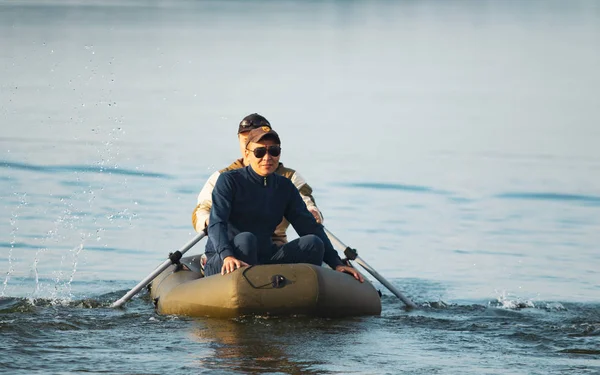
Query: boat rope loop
(277, 281)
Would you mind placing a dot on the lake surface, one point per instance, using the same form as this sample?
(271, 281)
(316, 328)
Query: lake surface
(455, 144)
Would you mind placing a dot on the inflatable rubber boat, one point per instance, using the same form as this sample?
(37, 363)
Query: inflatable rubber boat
(271, 290)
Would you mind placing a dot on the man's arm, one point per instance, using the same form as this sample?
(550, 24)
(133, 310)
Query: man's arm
(298, 215)
(202, 211)
(222, 198)
(304, 223)
(306, 194)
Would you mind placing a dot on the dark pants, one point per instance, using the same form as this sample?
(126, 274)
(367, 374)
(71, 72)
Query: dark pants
(306, 249)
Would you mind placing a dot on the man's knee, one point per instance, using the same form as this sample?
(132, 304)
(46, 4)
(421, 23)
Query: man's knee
(313, 244)
(312, 240)
(246, 245)
(245, 239)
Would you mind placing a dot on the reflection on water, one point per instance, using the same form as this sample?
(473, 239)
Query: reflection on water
(262, 345)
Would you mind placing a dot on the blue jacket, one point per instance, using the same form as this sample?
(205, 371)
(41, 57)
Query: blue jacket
(244, 201)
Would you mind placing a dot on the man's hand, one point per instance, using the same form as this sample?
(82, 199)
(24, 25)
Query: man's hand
(230, 264)
(352, 271)
(316, 214)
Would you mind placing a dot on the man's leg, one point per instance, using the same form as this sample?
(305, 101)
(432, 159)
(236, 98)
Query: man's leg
(245, 248)
(306, 249)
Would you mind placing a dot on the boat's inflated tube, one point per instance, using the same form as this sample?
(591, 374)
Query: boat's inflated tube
(279, 289)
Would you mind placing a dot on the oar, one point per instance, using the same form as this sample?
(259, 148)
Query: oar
(173, 259)
(353, 255)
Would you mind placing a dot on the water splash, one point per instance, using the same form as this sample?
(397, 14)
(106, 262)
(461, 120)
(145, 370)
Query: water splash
(36, 274)
(13, 234)
(66, 222)
(62, 231)
(75, 253)
(506, 301)
(58, 277)
(124, 214)
(70, 221)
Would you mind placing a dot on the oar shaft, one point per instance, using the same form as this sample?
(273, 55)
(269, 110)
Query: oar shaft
(372, 271)
(156, 272)
(380, 278)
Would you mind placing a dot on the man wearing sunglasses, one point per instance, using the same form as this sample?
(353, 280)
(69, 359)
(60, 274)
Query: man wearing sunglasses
(248, 203)
(201, 213)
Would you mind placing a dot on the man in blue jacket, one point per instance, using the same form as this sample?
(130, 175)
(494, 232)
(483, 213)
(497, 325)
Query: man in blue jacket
(248, 203)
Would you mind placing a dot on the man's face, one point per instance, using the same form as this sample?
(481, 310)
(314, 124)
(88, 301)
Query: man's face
(265, 165)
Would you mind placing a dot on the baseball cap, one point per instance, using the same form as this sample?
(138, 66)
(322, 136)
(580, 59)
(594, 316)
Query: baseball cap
(258, 134)
(252, 121)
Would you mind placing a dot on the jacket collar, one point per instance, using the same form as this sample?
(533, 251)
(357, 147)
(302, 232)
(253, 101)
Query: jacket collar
(256, 178)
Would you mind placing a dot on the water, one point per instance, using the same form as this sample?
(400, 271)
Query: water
(454, 144)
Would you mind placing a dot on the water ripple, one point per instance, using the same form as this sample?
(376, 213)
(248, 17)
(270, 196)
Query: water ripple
(591, 199)
(580, 351)
(500, 253)
(392, 186)
(80, 168)
(17, 245)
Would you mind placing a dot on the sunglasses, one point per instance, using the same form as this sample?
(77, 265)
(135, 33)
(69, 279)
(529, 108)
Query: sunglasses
(260, 152)
(254, 124)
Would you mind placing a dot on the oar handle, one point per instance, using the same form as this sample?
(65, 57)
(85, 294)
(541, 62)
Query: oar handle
(173, 258)
(352, 255)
